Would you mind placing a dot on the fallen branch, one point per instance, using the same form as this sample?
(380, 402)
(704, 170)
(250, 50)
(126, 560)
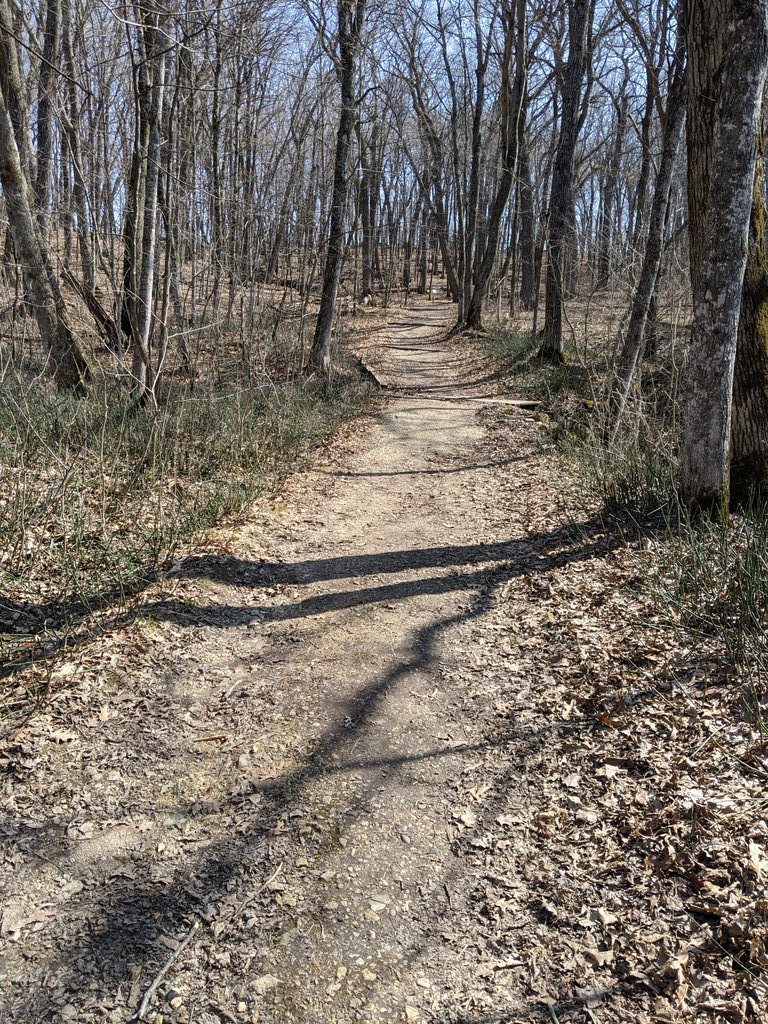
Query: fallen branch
(147, 997)
(248, 899)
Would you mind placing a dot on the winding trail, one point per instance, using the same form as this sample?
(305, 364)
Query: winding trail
(281, 756)
(407, 745)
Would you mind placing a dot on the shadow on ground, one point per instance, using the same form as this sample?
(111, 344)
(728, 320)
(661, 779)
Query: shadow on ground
(129, 920)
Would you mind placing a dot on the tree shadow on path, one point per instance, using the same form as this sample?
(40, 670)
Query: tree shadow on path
(129, 920)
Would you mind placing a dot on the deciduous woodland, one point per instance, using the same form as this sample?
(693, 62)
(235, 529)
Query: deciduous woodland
(383, 538)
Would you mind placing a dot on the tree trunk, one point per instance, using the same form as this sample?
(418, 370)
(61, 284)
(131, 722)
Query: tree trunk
(470, 239)
(156, 50)
(749, 433)
(69, 365)
(641, 192)
(45, 115)
(654, 247)
(610, 187)
(728, 57)
(527, 230)
(350, 24)
(71, 124)
(561, 201)
(512, 128)
(366, 211)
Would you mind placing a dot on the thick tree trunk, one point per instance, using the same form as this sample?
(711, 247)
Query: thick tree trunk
(350, 24)
(728, 56)
(749, 433)
(561, 199)
(69, 365)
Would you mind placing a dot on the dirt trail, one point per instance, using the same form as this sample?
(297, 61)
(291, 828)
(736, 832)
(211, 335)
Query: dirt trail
(282, 752)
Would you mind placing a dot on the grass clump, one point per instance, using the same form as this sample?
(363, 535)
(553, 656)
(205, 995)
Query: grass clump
(633, 478)
(95, 494)
(509, 346)
(712, 580)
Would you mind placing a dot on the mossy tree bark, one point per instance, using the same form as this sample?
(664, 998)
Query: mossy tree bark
(749, 432)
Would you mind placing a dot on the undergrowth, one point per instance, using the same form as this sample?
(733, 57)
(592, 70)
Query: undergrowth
(712, 581)
(708, 580)
(95, 494)
(508, 345)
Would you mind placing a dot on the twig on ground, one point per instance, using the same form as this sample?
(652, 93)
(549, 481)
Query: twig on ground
(251, 896)
(147, 997)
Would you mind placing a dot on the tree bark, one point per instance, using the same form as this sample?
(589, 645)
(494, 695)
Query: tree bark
(610, 187)
(69, 365)
(528, 276)
(728, 57)
(749, 434)
(512, 128)
(580, 13)
(654, 247)
(45, 114)
(350, 25)
(71, 122)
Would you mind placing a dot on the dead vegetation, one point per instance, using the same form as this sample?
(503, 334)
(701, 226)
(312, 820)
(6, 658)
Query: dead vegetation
(427, 738)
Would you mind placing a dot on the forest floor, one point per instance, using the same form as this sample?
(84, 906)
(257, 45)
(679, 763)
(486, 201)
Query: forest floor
(398, 748)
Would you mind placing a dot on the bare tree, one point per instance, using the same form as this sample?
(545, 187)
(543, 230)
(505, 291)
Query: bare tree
(350, 15)
(580, 17)
(512, 129)
(642, 298)
(69, 365)
(749, 433)
(728, 58)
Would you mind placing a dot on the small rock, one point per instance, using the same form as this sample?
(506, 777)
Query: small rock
(265, 983)
(369, 975)
(341, 973)
(242, 1007)
(424, 983)
(68, 1012)
(411, 1013)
